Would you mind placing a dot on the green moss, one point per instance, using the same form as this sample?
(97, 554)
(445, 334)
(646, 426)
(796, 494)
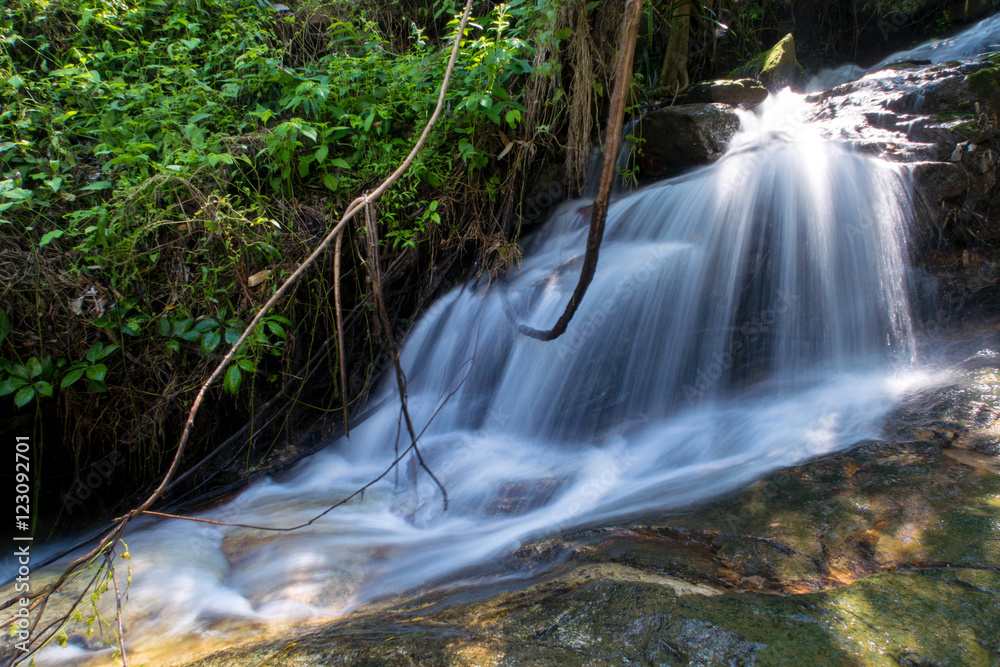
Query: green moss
(985, 84)
(775, 68)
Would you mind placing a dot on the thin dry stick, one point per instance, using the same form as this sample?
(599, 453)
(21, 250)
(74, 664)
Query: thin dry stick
(358, 492)
(599, 212)
(352, 209)
(118, 602)
(341, 361)
(375, 271)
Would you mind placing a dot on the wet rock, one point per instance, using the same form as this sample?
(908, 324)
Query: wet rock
(521, 497)
(780, 68)
(776, 68)
(941, 119)
(746, 93)
(938, 181)
(939, 616)
(680, 137)
(883, 555)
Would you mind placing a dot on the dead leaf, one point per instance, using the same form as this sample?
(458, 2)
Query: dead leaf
(259, 277)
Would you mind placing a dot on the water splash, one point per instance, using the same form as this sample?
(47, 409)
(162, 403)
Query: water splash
(746, 316)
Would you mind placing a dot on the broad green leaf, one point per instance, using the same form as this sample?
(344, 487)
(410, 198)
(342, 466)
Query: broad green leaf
(331, 182)
(97, 372)
(322, 152)
(233, 380)
(10, 385)
(215, 158)
(206, 324)
(99, 185)
(43, 389)
(340, 162)
(164, 327)
(246, 364)
(54, 234)
(71, 377)
(210, 341)
(24, 396)
(94, 351)
(106, 352)
(182, 326)
(276, 329)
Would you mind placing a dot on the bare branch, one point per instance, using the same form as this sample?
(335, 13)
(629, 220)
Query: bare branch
(599, 211)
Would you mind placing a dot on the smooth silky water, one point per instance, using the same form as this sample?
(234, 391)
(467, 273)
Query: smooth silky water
(749, 315)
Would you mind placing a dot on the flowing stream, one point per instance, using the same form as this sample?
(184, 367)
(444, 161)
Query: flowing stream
(978, 38)
(746, 316)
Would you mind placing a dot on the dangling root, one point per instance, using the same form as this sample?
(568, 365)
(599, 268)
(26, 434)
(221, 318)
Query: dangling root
(599, 212)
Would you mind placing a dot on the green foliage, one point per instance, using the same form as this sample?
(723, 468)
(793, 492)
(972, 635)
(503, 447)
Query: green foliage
(92, 367)
(27, 381)
(143, 139)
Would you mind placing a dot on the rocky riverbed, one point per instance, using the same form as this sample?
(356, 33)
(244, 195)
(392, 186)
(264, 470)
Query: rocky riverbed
(886, 554)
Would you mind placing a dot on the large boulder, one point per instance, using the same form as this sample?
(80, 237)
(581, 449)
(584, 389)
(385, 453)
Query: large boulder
(780, 68)
(680, 137)
(776, 68)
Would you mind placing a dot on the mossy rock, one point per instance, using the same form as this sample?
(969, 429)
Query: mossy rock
(776, 68)
(985, 85)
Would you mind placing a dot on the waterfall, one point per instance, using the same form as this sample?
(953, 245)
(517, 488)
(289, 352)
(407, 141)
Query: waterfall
(746, 316)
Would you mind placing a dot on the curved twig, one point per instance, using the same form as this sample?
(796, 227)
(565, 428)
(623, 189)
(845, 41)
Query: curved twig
(599, 212)
(119, 526)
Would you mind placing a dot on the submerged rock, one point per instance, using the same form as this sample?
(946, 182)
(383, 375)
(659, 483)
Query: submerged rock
(680, 137)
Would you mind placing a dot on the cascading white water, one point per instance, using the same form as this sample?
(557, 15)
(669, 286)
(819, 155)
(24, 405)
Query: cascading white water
(746, 316)
(982, 37)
